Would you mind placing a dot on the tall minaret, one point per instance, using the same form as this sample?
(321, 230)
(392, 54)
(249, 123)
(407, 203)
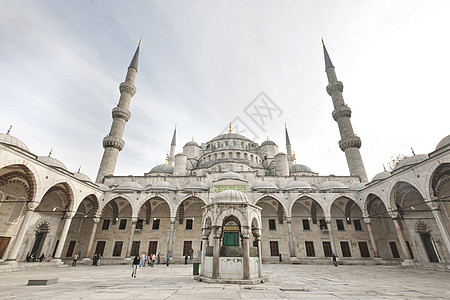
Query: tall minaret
(290, 157)
(171, 158)
(113, 142)
(349, 142)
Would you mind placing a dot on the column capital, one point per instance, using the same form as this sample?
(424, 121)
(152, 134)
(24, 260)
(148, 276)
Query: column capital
(96, 219)
(70, 214)
(367, 220)
(217, 231)
(134, 220)
(32, 205)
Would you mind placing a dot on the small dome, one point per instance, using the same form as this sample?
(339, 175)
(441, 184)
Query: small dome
(359, 186)
(129, 185)
(162, 185)
(267, 143)
(413, 160)
(298, 185)
(13, 141)
(264, 185)
(280, 153)
(48, 160)
(197, 185)
(191, 143)
(81, 176)
(230, 175)
(298, 168)
(381, 176)
(230, 196)
(444, 142)
(103, 187)
(331, 185)
(162, 169)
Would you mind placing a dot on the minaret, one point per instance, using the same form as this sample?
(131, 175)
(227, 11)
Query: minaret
(349, 142)
(113, 142)
(171, 159)
(290, 157)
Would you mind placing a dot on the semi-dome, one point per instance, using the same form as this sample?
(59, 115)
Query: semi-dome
(413, 160)
(191, 143)
(51, 161)
(197, 185)
(381, 176)
(264, 186)
(359, 186)
(230, 136)
(268, 143)
(103, 187)
(230, 196)
(331, 186)
(163, 168)
(298, 168)
(444, 142)
(230, 175)
(298, 185)
(162, 185)
(81, 176)
(13, 141)
(130, 185)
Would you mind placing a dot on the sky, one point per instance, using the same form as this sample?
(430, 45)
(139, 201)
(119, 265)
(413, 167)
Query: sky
(204, 64)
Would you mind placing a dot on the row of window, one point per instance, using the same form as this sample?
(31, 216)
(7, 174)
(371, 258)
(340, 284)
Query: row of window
(140, 224)
(322, 224)
(310, 251)
(231, 155)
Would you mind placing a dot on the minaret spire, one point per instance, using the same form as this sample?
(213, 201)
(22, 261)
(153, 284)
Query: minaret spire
(349, 142)
(113, 142)
(173, 144)
(290, 157)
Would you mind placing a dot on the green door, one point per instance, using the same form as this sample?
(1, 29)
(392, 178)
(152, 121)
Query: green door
(231, 238)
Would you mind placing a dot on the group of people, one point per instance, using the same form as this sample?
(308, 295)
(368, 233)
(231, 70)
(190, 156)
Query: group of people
(34, 258)
(190, 254)
(96, 260)
(141, 260)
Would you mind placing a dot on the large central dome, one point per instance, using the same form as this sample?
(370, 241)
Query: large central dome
(230, 136)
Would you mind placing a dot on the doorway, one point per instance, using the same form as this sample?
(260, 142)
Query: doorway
(39, 239)
(429, 247)
(4, 242)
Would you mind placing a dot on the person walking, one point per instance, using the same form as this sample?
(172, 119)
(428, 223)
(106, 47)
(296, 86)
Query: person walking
(158, 259)
(42, 257)
(185, 259)
(153, 260)
(75, 259)
(191, 254)
(136, 262)
(168, 258)
(94, 260)
(143, 258)
(335, 260)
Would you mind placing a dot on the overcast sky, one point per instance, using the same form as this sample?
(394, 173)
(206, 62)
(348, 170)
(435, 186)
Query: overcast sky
(203, 62)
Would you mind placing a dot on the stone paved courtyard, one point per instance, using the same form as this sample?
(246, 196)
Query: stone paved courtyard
(176, 282)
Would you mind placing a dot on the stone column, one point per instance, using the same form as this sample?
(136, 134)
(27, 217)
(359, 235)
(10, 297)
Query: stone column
(12, 256)
(217, 231)
(257, 235)
(401, 238)
(330, 232)
(91, 238)
(246, 252)
(62, 238)
(372, 237)
(171, 233)
(442, 228)
(130, 243)
(206, 232)
(291, 238)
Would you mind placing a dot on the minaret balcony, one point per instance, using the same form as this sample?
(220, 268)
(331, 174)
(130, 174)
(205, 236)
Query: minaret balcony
(113, 142)
(342, 111)
(121, 113)
(126, 87)
(333, 88)
(351, 142)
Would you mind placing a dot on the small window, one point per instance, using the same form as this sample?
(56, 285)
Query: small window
(274, 251)
(123, 224)
(189, 223)
(306, 224)
(135, 248)
(155, 224)
(272, 225)
(140, 224)
(105, 225)
(363, 249)
(340, 225)
(327, 249)
(309, 245)
(117, 248)
(357, 224)
(187, 246)
(345, 247)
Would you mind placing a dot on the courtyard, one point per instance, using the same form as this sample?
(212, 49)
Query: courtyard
(176, 282)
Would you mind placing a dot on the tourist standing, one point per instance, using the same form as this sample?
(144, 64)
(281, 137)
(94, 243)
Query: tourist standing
(335, 260)
(143, 258)
(158, 259)
(185, 259)
(153, 260)
(42, 257)
(75, 259)
(191, 254)
(168, 259)
(136, 262)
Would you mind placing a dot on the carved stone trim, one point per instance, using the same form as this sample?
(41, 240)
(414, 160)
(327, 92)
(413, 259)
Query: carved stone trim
(120, 113)
(334, 88)
(352, 142)
(128, 88)
(110, 141)
(342, 111)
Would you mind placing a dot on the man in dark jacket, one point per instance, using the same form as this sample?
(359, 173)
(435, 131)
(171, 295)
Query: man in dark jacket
(136, 262)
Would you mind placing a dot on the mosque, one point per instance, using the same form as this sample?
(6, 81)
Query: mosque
(398, 217)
